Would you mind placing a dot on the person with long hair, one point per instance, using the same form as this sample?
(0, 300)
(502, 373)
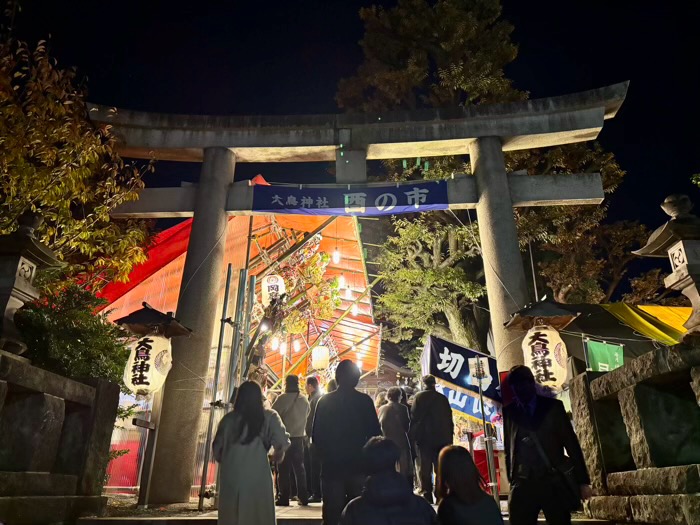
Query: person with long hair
(461, 492)
(243, 439)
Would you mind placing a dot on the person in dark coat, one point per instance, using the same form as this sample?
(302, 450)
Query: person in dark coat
(387, 497)
(432, 429)
(345, 420)
(313, 462)
(293, 408)
(395, 422)
(461, 492)
(533, 488)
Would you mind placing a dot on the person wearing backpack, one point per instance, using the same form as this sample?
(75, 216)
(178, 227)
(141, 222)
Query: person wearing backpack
(432, 429)
(293, 408)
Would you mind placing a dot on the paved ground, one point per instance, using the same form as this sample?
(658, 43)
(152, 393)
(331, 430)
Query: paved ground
(122, 511)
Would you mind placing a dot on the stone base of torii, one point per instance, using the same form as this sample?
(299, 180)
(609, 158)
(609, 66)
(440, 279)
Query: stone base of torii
(484, 132)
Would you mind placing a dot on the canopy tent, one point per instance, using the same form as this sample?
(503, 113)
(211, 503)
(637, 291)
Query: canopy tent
(158, 280)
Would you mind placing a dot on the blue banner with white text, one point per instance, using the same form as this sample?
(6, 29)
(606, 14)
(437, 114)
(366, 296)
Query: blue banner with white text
(449, 363)
(356, 201)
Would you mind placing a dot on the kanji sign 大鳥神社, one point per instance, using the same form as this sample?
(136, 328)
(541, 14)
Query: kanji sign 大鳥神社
(149, 362)
(545, 354)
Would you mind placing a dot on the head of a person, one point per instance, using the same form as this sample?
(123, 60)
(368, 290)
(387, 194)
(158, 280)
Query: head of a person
(522, 382)
(291, 383)
(380, 399)
(457, 475)
(394, 394)
(404, 396)
(331, 386)
(429, 382)
(379, 455)
(249, 406)
(347, 375)
(311, 385)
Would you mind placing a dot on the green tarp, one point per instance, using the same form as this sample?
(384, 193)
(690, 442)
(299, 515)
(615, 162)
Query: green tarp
(603, 357)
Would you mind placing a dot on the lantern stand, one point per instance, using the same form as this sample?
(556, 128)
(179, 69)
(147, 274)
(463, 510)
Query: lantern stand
(215, 403)
(143, 322)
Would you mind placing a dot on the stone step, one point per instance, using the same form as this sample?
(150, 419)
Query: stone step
(37, 484)
(40, 510)
(210, 519)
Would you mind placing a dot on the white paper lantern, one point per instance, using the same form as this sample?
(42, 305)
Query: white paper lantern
(149, 362)
(545, 354)
(272, 286)
(320, 358)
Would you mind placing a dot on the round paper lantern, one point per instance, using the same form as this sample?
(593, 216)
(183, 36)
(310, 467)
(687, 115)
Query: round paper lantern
(149, 362)
(320, 358)
(272, 286)
(545, 354)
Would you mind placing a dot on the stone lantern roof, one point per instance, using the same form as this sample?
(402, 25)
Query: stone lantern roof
(682, 226)
(22, 242)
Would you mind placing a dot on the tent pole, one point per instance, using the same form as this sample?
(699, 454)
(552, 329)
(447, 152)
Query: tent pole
(215, 403)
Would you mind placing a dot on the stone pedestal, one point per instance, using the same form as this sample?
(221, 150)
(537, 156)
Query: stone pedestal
(639, 428)
(503, 266)
(54, 443)
(197, 308)
(30, 431)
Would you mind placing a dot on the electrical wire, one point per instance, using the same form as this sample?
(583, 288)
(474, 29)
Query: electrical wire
(484, 258)
(218, 240)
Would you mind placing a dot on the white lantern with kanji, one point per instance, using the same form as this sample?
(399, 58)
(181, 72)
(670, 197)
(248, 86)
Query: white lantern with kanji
(149, 362)
(272, 286)
(320, 358)
(546, 355)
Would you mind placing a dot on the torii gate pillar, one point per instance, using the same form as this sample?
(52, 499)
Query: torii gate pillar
(503, 265)
(197, 309)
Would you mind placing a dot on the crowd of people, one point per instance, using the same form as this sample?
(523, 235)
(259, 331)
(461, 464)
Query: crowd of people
(357, 458)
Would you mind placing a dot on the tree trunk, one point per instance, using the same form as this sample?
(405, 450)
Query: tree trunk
(464, 331)
(479, 311)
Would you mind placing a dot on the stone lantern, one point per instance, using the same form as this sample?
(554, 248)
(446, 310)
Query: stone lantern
(21, 257)
(679, 239)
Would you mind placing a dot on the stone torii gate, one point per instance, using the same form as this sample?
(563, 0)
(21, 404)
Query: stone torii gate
(484, 132)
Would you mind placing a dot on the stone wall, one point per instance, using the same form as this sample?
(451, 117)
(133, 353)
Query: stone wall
(639, 428)
(54, 442)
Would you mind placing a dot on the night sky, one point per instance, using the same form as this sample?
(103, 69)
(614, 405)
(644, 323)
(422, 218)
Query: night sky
(285, 57)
